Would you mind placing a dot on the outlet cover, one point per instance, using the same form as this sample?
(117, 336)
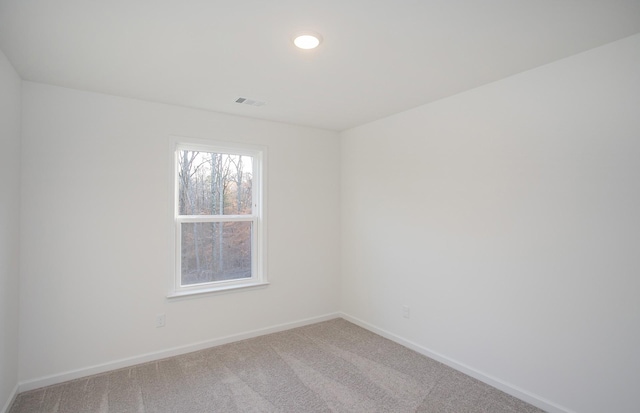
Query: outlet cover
(406, 311)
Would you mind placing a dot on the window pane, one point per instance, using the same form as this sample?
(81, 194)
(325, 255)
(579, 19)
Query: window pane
(214, 183)
(215, 251)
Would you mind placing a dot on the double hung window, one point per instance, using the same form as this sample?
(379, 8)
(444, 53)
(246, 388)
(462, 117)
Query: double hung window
(218, 217)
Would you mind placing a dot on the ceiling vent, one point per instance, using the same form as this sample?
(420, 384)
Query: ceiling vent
(250, 102)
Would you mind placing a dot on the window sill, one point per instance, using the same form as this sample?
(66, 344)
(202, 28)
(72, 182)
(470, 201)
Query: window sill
(216, 290)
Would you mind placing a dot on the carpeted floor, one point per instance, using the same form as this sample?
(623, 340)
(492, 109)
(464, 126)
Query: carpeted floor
(333, 366)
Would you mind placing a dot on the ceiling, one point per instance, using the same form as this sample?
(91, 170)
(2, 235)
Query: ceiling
(378, 57)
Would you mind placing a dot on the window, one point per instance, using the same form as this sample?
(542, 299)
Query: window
(218, 217)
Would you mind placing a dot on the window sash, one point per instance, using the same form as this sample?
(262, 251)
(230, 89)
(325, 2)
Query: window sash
(254, 253)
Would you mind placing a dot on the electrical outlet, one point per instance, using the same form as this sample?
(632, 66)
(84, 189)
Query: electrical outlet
(406, 311)
(160, 320)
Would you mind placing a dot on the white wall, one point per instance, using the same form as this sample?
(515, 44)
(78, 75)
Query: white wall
(508, 218)
(95, 230)
(9, 227)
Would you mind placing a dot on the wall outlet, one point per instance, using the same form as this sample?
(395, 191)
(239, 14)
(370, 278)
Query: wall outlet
(406, 311)
(160, 320)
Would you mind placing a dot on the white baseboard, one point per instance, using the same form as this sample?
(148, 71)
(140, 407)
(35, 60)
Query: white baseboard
(158, 355)
(12, 398)
(514, 391)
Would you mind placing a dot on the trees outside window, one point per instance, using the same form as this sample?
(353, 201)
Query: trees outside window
(218, 217)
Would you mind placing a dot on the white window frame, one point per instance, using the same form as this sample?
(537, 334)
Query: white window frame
(257, 217)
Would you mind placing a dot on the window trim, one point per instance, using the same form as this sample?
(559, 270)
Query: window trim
(258, 218)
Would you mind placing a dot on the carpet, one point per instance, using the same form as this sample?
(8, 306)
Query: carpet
(332, 366)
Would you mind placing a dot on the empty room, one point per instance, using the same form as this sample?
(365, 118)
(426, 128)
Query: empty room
(331, 206)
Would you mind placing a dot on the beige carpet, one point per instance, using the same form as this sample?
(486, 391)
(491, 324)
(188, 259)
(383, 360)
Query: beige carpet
(333, 366)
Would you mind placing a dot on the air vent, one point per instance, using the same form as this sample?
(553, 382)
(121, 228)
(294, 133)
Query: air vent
(250, 102)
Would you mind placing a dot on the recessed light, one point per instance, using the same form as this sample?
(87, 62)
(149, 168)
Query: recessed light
(307, 40)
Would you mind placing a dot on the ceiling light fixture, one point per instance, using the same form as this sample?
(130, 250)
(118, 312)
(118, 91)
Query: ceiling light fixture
(307, 40)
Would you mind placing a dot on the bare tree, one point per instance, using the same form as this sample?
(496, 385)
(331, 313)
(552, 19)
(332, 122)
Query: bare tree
(238, 181)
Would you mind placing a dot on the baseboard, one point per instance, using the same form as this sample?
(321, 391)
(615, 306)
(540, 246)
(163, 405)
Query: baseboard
(514, 391)
(158, 355)
(12, 398)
